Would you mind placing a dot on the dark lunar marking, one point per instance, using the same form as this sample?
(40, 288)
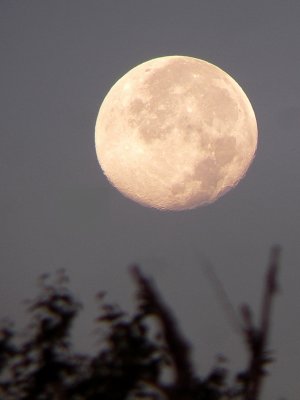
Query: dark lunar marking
(225, 150)
(219, 105)
(136, 106)
(176, 72)
(207, 172)
(152, 122)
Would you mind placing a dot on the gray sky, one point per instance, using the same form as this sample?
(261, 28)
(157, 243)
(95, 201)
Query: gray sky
(58, 60)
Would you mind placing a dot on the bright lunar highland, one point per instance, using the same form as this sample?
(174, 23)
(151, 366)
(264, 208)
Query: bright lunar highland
(175, 133)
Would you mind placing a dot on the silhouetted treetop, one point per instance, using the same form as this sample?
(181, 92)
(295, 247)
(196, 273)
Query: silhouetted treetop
(132, 362)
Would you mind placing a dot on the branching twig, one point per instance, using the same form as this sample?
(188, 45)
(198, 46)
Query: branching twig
(257, 337)
(222, 296)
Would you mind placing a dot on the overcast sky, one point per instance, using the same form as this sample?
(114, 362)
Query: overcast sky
(58, 61)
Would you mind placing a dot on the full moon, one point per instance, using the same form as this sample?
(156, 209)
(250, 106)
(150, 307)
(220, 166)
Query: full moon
(175, 133)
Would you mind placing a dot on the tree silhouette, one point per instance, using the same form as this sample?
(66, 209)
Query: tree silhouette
(132, 361)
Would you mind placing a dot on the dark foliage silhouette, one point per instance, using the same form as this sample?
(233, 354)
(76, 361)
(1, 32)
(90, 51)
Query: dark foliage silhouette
(142, 356)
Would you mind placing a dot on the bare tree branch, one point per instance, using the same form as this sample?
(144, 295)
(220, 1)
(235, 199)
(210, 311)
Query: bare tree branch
(178, 347)
(257, 337)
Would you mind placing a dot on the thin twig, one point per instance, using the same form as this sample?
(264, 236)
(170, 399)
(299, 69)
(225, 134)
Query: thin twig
(222, 296)
(257, 338)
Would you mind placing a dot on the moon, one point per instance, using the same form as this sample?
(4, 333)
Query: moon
(175, 133)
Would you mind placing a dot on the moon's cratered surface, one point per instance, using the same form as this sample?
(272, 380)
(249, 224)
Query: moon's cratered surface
(175, 133)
